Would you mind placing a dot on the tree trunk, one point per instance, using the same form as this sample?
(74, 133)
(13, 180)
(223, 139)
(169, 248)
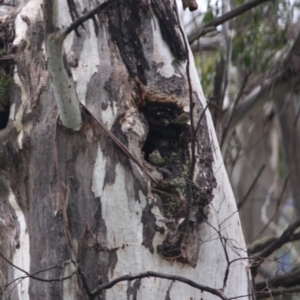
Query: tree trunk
(82, 207)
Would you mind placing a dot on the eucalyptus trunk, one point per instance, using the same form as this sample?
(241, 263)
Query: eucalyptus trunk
(82, 202)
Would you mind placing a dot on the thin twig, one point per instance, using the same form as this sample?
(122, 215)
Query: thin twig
(273, 87)
(277, 207)
(202, 115)
(193, 134)
(32, 275)
(276, 292)
(62, 198)
(285, 236)
(285, 280)
(85, 285)
(235, 103)
(120, 145)
(242, 202)
(258, 246)
(35, 273)
(182, 279)
(224, 245)
(222, 19)
(86, 16)
(283, 239)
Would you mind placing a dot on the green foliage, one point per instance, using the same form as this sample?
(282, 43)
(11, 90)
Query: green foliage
(259, 34)
(211, 12)
(207, 64)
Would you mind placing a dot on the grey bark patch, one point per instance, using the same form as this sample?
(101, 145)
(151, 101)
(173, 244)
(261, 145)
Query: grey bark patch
(168, 297)
(132, 290)
(124, 138)
(104, 100)
(149, 225)
(174, 85)
(110, 171)
(112, 260)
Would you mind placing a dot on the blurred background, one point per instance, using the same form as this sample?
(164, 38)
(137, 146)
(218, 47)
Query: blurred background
(249, 68)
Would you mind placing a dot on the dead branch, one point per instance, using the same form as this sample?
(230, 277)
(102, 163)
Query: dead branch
(279, 82)
(32, 276)
(242, 202)
(284, 238)
(78, 22)
(278, 291)
(185, 280)
(222, 19)
(193, 139)
(278, 204)
(262, 244)
(120, 145)
(235, 103)
(265, 288)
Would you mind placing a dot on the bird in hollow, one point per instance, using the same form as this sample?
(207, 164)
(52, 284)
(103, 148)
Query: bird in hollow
(155, 158)
(182, 119)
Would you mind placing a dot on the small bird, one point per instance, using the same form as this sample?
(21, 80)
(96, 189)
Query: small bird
(155, 158)
(182, 119)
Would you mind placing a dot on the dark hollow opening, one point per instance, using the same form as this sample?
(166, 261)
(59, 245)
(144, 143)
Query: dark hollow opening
(171, 140)
(4, 114)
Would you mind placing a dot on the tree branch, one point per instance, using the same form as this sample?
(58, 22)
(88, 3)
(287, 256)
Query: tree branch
(276, 292)
(62, 81)
(284, 80)
(213, 43)
(222, 19)
(261, 244)
(242, 202)
(185, 280)
(86, 16)
(235, 103)
(287, 280)
(121, 145)
(284, 238)
(189, 193)
(277, 207)
(32, 276)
